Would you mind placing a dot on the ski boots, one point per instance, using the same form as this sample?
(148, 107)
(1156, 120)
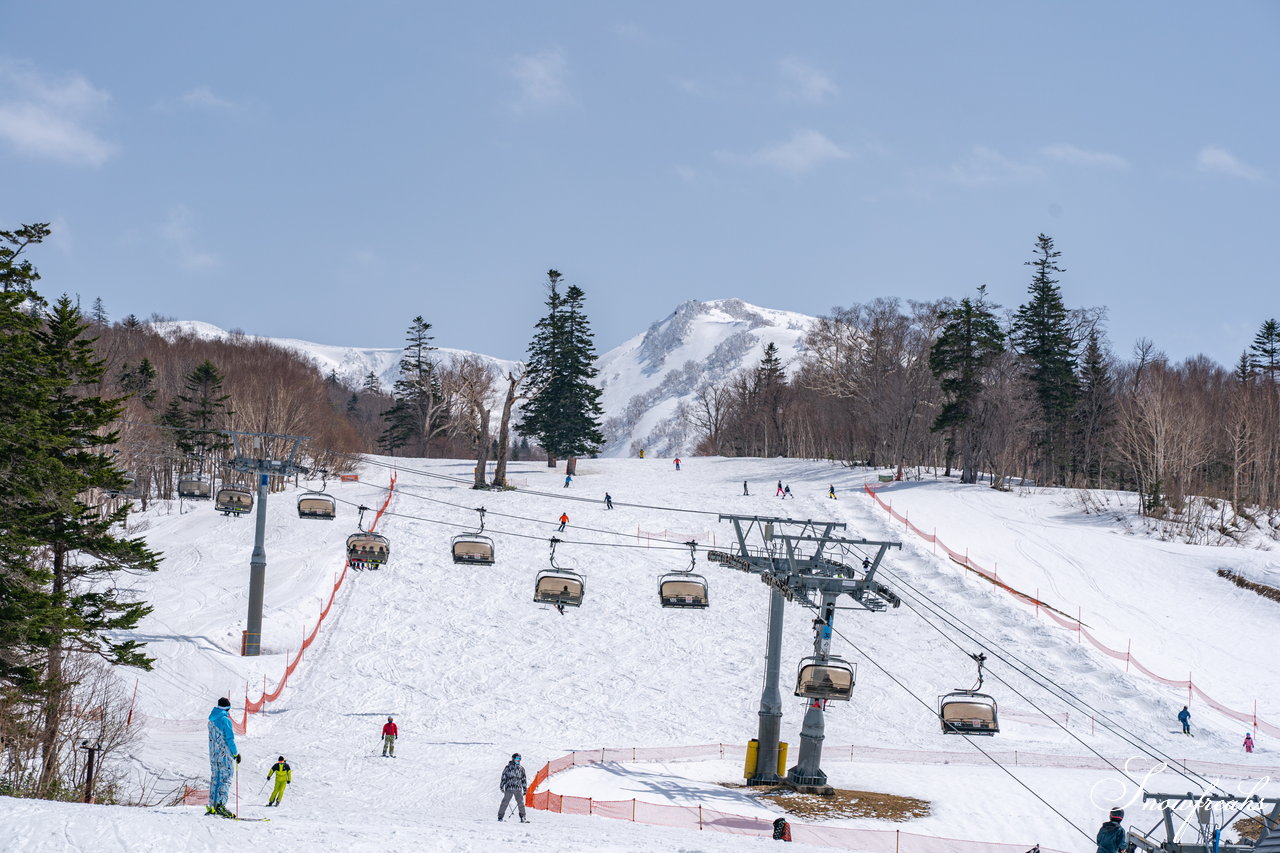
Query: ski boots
(222, 811)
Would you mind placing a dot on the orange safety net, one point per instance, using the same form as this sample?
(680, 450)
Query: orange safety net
(1077, 626)
(712, 820)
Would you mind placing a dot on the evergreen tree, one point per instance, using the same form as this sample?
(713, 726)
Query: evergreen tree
(419, 413)
(1243, 372)
(207, 411)
(1042, 334)
(1265, 351)
(371, 383)
(563, 412)
(99, 314)
(20, 276)
(1095, 409)
(131, 322)
(970, 340)
(140, 381)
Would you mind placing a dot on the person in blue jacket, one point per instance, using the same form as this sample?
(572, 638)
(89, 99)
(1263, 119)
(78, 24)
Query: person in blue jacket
(1184, 717)
(1111, 835)
(223, 758)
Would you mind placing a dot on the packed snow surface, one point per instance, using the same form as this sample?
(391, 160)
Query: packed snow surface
(473, 670)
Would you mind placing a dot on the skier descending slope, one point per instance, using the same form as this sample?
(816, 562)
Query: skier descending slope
(284, 776)
(513, 784)
(1184, 717)
(223, 758)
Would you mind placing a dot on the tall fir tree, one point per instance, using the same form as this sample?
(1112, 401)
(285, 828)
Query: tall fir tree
(418, 413)
(563, 412)
(207, 411)
(969, 342)
(1041, 333)
(1264, 352)
(80, 540)
(1095, 413)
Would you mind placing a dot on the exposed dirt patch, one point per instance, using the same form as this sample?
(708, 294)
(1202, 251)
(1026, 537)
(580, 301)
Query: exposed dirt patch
(843, 804)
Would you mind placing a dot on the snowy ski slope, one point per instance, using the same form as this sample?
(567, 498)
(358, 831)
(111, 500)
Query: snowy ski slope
(473, 670)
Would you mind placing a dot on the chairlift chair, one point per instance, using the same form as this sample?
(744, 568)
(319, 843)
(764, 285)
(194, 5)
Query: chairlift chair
(233, 500)
(557, 585)
(683, 589)
(194, 488)
(368, 550)
(825, 678)
(317, 505)
(474, 549)
(968, 712)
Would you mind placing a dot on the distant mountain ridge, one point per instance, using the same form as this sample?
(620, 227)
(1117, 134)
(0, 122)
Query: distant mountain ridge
(646, 381)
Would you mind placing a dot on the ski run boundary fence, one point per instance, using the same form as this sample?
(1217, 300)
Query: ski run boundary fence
(711, 820)
(200, 796)
(1077, 625)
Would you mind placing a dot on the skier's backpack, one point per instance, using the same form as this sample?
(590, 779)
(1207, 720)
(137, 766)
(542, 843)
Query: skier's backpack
(781, 830)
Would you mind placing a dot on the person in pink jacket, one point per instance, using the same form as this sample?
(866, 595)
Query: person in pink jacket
(1248, 742)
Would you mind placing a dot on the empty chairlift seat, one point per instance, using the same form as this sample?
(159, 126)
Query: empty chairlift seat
(683, 590)
(369, 550)
(832, 678)
(233, 500)
(967, 712)
(558, 587)
(316, 505)
(195, 488)
(473, 549)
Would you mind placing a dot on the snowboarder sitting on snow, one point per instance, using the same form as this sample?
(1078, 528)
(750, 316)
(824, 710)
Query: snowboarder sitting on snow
(1184, 717)
(389, 734)
(1248, 742)
(284, 776)
(1111, 835)
(781, 830)
(513, 784)
(223, 758)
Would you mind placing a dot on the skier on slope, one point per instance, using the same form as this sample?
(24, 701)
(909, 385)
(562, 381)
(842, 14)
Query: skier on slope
(677, 463)
(564, 519)
(284, 776)
(831, 492)
(608, 501)
(1111, 834)
(775, 494)
(1184, 717)
(223, 758)
(1248, 742)
(389, 734)
(567, 480)
(786, 493)
(745, 493)
(513, 784)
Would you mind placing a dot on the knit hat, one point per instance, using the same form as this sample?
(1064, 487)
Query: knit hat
(224, 702)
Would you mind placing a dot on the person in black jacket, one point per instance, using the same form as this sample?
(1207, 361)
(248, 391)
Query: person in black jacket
(1111, 835)
(513, 784)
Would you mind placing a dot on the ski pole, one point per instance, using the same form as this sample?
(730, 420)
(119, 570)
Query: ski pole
(237, 772)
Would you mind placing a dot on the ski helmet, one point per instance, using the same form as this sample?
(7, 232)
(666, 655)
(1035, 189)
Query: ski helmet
(1117, 814)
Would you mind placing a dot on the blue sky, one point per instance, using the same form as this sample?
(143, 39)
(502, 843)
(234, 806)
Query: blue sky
(327, 171)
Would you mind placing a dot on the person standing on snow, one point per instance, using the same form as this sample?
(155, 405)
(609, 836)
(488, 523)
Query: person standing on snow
(831, 492)
(567, 480)
(775, 494)
(786, 493)
(745, 493)
(608, 501)
(389, 734)
(564, 519)
(513, 784)
(1111, 835)
(223, 758)
(284, 776)
(1248, 742)
(677, 463)
(1184, 717)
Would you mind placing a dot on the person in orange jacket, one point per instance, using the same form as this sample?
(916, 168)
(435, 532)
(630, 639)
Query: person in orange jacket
(564, 519)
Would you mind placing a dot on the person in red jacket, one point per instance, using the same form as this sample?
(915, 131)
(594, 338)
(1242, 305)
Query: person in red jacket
(389, 735)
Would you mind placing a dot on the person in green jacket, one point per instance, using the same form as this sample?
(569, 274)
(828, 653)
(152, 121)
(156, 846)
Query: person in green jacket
(284, 776)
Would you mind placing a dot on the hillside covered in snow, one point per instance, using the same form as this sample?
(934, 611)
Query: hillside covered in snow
(473, 670)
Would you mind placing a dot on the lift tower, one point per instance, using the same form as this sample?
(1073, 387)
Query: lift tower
(254, 456)
(791, 560)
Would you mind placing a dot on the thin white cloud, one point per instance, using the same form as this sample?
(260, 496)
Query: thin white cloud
(51, 118)
(541, 79)
(686, 174)
(803, 82)
(984, 166)
(631, 31)
(1063, 152)
(203, 98)
(1220, 161)
(179, 232)
(803, 152)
